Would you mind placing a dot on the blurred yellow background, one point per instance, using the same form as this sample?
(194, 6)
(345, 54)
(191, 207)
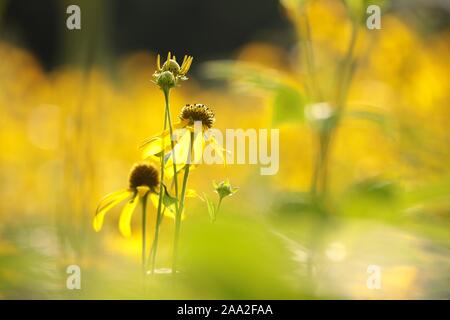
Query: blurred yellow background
(70, 135)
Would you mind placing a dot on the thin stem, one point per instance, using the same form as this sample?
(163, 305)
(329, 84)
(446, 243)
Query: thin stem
(144, 234)
(346, 71)
(154, 248)
(317, 166)
(320, 176)
(155, 240)
(314, 89)
(180, 209)
(326, 140)
(172, 146)
(308, 52)
(218, 207)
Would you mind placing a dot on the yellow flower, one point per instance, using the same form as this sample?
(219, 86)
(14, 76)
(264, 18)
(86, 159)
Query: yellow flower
(143, 181)
(195, 122)
(171, 72)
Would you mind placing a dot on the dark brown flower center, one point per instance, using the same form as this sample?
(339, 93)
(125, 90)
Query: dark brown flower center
(144, 175)
(198, 112)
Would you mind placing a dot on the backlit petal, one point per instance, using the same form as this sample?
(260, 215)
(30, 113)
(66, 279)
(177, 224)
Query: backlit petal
(125, 216)
(168, 212)
(220, 151)
(198, 147)
(155, 145)
(108, 202)
(181, 152)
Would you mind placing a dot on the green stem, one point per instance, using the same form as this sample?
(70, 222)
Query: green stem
(180, 209)
(317, 166)
(218, 207)
(154, 248)
(319, 182)
(345, 71)
(326, 141)
(308, 53)
(144, 234)
(172, 146)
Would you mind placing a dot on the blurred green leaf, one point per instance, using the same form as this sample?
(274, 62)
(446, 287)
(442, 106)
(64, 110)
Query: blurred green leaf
(288, 101)
(168, 200)
(238, 258)
(372, 198)
(357, 8)
(378, 118)
(211, 208)
(288, 106)
(293, 4)
(253, 75)
(426, 194)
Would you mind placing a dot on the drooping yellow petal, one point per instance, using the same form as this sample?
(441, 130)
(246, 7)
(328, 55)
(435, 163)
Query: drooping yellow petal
(125, 216)
(220, 151)
(106, 204)
(155, 145)
(191, 193)
(181, 152)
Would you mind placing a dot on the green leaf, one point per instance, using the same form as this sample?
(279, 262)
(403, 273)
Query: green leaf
(357, 8)
(288, 101)
(378, 118)
(288, 106)
(249, 74)
(372, 198)
(211, 208)
(293, 4)
(168, 200)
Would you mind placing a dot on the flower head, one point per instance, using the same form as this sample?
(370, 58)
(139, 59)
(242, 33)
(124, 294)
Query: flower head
(171, 73)
(192, 113)
(143, 181)
(144, 175)
(191, 136)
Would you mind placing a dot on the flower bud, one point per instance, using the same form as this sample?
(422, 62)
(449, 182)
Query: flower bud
(172, 66)
(165, 80)
(224, 189)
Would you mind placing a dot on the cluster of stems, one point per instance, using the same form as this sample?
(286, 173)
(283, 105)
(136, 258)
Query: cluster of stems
(324, 136)
(180, 198)
(344, 77)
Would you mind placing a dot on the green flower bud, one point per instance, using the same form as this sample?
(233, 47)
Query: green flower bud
(172, 66)
(171, 72)
(165, 80)
(224, 189)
